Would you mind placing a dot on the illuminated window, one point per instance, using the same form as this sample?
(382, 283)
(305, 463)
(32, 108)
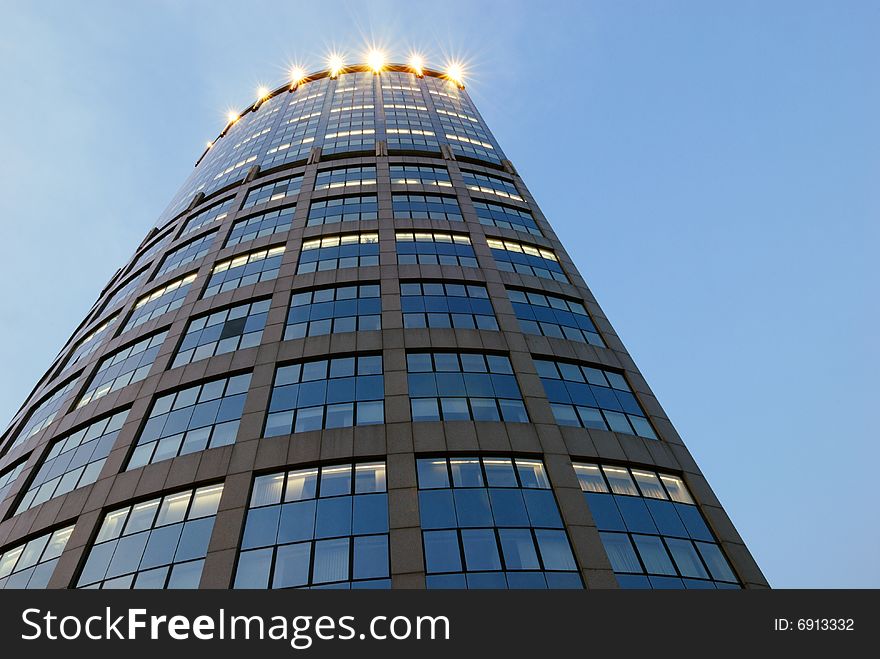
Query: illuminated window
(321, 527)
(160, 301)
(653, 532)
(351, 250)
(30, 565)
(492, 185)
(345, 177)
(214, 213)
(512, 256)
(160, 543)
(285, 188)
(244, 269)
(432, 248)
(492, 522)
(44, 413)
(420, 175)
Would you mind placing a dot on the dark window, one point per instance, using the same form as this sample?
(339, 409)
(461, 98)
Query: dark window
(264, 224)
(506, 217)
(425, 207)
(123, 367)
(226, 330)
(191, 251)
(343, 209)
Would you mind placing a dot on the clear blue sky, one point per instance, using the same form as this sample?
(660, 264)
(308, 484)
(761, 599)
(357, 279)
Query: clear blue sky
(712, 168)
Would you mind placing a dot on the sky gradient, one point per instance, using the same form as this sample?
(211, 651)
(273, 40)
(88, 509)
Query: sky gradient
(712, 169)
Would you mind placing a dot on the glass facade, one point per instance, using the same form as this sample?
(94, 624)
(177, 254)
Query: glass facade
(446, 304)
(222, 331)
(410, 322)
(334, 311)
(592, 397)
(326, 393)
(156, 544)
(73, 461)
(321, 527)
(192, 419)
(652, 530)
(30, 565)
(463, 386)
(492, 522)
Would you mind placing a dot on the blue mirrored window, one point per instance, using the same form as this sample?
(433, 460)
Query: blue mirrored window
(30, 565)
(446, 304)
(506, 217)
(187, 253)
(123, 367)
(74, 460)
(160, 543)
(323, 527)
(222, 331)
(355, 308)
(512, 256)
(425, 207)
(592, 397)
(192, 419)
(343, 209)
(263, 224)
(554, 316)
(492, 522)
(326, 393)
(453, 386)
(650, 526)
(285, 188)
(244, 269)
(160, 301)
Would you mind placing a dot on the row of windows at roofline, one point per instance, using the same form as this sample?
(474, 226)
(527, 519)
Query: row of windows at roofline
(486, 522)
(332, 310)
(331, 393)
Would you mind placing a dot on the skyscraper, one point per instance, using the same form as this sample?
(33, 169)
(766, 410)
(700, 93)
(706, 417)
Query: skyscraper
(352, 353)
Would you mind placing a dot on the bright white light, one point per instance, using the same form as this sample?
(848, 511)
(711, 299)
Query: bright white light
(455, 72)
(376, 60)
(262, 93)
(297, 74)
(232, 116)
(335, 63)
(416, 63)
